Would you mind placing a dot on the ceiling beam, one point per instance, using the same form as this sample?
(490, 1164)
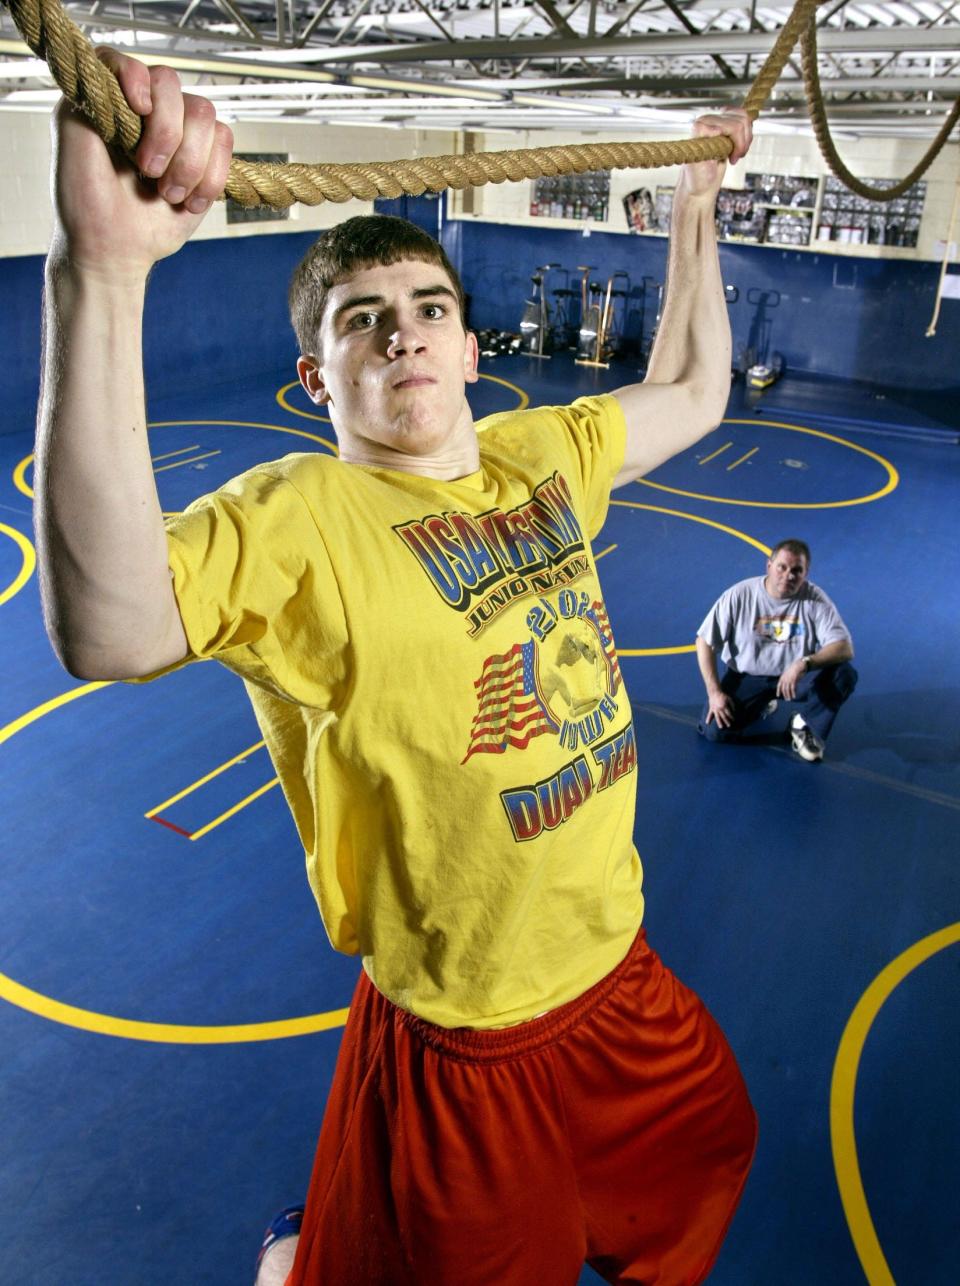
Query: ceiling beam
(903, 39)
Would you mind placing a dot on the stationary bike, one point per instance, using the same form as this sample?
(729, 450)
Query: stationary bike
(536, 333)
(597, 316)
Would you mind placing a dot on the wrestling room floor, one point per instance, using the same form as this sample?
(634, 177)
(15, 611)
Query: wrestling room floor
(171, 1010)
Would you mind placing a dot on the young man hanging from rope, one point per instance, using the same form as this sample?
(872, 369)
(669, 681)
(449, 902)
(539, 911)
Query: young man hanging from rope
(522, 1085)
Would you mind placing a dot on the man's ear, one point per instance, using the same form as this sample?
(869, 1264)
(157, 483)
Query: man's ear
(312, 380)
(471, 359)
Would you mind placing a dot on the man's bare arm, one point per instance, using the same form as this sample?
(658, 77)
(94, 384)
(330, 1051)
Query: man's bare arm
(687, 385)
(830, 654)
(107, 595)
(721, 705)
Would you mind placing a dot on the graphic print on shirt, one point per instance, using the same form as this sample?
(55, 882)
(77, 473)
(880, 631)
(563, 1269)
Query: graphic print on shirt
(480, 565)
(562, 678)
(778, 629)
(561, 681)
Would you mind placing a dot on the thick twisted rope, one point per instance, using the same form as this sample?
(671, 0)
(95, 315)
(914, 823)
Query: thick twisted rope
(818, 118)
(93, 88)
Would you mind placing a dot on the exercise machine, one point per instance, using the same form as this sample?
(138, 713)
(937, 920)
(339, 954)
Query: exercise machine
(597, 319)
(649, 286)
(536, 333)
(566, 325)
(761, 366)
(615, 330)
(589, 313)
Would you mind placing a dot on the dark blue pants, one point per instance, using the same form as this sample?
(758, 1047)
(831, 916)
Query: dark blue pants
(820, 694)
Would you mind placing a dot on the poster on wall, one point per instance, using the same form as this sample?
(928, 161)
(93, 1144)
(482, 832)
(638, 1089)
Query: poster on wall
(648, 213)
(639, 209)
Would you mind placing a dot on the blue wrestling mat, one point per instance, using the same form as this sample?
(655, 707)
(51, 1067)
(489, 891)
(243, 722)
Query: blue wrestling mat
(171, 1009)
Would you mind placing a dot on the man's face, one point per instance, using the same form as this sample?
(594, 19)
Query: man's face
(786, 573)
(392, 367)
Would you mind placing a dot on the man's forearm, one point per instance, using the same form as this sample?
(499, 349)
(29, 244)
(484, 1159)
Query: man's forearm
(707, 661)
(833, 654)
(108, 601)
(693, 343)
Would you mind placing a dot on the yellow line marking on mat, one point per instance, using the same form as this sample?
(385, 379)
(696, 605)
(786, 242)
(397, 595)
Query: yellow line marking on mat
(202, 781)
(164, 1033)
(609, 550)
(237, 424)
(752, 451)
(707, 458)
(231, 812)
(17, 725)
(28, 561)
(842, 1091)
(242, 424)
(514, 388)
(20, 477)
(167, 455)
(893, 478)
(281, 397)
(707, 522)
(178, 464)
(133, 1029)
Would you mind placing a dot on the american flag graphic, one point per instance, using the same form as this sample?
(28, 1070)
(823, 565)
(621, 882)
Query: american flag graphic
(510, 710)
(609, 648)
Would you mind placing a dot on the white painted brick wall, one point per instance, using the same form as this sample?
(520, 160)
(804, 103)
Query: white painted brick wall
(867, 158)
(25, 218)
(24, 160)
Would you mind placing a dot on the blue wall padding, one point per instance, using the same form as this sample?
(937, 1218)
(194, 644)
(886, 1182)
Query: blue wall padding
(853, 318)
(215, 310)
(219, 307)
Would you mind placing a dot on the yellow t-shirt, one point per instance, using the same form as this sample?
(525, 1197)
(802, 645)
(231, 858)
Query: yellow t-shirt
(435, 676)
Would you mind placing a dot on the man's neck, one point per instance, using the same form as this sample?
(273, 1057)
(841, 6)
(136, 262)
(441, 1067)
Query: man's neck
(779, 598)
(443, 468)
(457, 457)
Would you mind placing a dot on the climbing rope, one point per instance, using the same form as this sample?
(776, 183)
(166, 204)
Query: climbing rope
(818, 118)
(948, 253)
(93, 88)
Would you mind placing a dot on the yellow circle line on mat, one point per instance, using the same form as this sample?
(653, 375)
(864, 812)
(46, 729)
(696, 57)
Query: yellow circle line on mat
(132, 1029)
(707, 522)
(28, 562)
(20, 472)
(843, 1087)
(325, 419)
(893, 478)
(514, 388)
(20, 477)
(244, 424)
(294, 410)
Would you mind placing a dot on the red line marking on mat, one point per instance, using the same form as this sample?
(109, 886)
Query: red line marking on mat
(179, 829)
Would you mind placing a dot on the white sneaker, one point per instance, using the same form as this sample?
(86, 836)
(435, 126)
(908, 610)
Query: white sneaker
(804, 740)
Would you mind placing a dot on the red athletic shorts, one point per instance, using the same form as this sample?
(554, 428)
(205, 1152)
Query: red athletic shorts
(616, 1129)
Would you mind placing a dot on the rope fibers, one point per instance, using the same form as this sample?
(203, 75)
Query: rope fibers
(93, 88)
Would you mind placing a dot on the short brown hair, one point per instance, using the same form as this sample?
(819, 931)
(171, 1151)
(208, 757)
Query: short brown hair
(361, 242)
(799, 549)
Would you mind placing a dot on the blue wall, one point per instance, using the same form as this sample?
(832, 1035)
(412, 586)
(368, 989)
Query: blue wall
(219, 307)
(859, 319)
(215, 310)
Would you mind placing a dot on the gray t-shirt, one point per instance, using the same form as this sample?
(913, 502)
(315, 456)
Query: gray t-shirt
(757, 634)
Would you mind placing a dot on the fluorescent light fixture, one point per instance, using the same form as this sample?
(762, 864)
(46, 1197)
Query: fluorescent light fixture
(425, 87)
(24, 69)
(564, 105)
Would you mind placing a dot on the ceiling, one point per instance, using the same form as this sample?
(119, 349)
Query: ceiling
(614, 66)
